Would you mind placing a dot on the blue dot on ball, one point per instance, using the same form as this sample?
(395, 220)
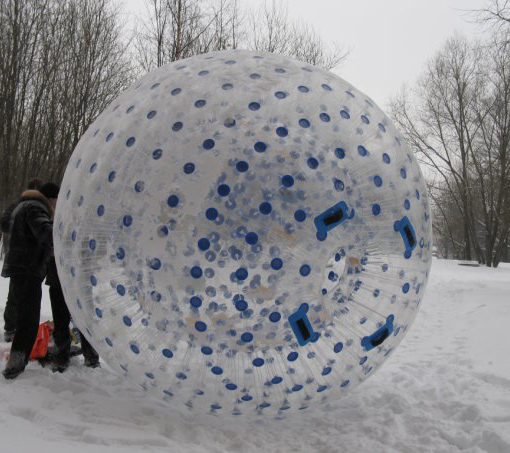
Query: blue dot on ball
(305, 270)
(338, 347)
(386, 158)
(265, 208)
(251, 238)
(155, 263)
(345, 114)
(217, 370)
(292, 356)
(258, 362)
(340, 153)
(173, 201)
(247, 337)
(203, 244)
(378, 181)
(241, 305)
(206, 350)
(195, 301)
(201, 326)
(157, 153)
(362, 151)
(127, 321)
(254, 106)
(303, 122)
(376, 209)
(208, 144)
(300, 215)
(325, 117)
(130, 141)
(241, 273)
(276, 263)
(211, 213)
(223, 190)
(260, 147)
(196, 272)
(287, 181)
(275, 316)
(167, 353)
(189, 168)
(242, 166)
(312, 162)
(282, 132)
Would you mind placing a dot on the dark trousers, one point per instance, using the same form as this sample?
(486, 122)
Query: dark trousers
(27, 293)
(61, 335)
(10, 310)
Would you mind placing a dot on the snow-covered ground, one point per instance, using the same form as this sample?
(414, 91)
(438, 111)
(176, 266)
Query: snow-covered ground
(445, 389)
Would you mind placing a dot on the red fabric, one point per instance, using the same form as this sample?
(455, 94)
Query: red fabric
(42, 341)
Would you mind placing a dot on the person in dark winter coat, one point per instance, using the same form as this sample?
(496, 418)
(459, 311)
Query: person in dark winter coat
(61, 320)
(25, 263)
(6, 226)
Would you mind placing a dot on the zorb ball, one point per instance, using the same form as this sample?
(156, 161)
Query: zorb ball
(243, 233)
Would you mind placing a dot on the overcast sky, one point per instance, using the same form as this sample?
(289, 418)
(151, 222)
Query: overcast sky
(390, 40)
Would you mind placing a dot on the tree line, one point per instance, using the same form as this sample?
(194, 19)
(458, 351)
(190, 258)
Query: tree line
(63, 61)
(457, 120)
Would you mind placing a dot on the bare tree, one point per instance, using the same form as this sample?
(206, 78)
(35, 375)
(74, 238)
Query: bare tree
(61, 63)
(492, 161)
(442, 129)
(497, 12)
(270, 30)
(178, 29)
(458, 121)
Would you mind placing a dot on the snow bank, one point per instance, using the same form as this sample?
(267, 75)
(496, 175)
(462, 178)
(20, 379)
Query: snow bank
(445, 389)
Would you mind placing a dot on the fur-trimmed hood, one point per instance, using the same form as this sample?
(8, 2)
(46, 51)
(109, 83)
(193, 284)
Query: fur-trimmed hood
(38, 196)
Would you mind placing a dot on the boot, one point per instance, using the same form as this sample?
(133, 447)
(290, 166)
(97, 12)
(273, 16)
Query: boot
(15, 366)
(59, 365)
(62, 356)
(92, 362)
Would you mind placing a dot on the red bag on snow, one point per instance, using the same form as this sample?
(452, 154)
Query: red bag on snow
(42, 341)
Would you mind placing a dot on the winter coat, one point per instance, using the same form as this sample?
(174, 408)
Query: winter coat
(31, 239)
(52, 279)
(5, 225)
(5, 220)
